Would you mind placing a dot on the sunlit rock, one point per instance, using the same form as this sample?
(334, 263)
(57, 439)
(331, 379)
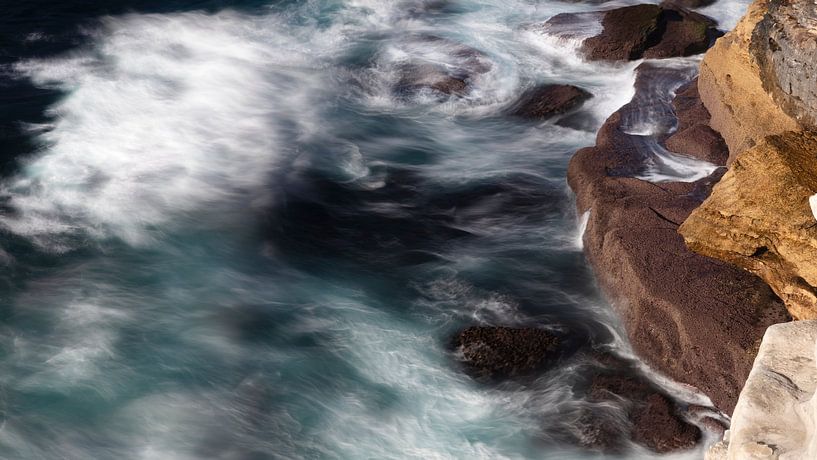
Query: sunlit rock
(759, 217)
(774, 417)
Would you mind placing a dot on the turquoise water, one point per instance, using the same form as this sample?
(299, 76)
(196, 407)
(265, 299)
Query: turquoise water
(225, 235)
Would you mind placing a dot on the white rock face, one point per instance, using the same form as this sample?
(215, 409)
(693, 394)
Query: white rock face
(812, 201)
(775, 415)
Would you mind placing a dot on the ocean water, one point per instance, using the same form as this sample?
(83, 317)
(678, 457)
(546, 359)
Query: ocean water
(227, 231)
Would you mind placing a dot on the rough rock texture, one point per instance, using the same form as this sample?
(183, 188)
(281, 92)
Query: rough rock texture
(775, 415)
(731, 88)
(547, 101)
(613, 385)
(683, 33)
(693, 318)
(650, 31)
(656, 425)
(758, 217)
(656, 421)
(504, 351)
(693, 136)
(785, 46)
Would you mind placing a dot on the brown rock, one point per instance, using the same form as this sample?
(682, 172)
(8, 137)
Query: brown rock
(547, 101)
(655, 419)
(649, 31)
(689, 110)
(758, 217)
(731, 88)
(657, 426)
(695, 319)
(693, 136)
(415, 77)
(506, 351)
(628, 31)
(699, 141)
(684, 33)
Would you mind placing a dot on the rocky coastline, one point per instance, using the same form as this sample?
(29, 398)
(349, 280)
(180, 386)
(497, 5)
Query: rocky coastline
(699, 268)
(695, 319)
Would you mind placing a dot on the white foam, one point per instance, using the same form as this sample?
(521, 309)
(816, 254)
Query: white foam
(582, 227)
(726, 12)
(165, 115)
(667, 166)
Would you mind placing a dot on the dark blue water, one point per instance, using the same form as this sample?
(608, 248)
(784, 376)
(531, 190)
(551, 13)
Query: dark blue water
(229, 232)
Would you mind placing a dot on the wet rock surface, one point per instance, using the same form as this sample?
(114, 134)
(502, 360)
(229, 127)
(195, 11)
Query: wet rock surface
(650, 31)
(624, 405)
(695, 319)
(656, 420)
(499, 352)
(547, 101)
(694, 136)
(683, 33)
(416, 77)
(421, 73)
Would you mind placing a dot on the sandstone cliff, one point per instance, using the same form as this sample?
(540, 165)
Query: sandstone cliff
(758, 83)
(732, 89)
(758, 217)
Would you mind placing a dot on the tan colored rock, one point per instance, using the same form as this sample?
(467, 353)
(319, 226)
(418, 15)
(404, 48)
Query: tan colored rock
(774, 417)
(731, 88)
(758, 217)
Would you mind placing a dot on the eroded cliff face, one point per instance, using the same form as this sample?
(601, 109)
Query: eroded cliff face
(758, 217)
(759, 84)
(784, 43)
(731, 87)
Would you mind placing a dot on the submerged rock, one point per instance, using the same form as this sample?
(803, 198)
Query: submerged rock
(505, 351)
(774, 417)
(758, 218)
(416, 77)
(650, 31)
(656, 420)
(613, 385)
(424, 72)
(547, 101)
